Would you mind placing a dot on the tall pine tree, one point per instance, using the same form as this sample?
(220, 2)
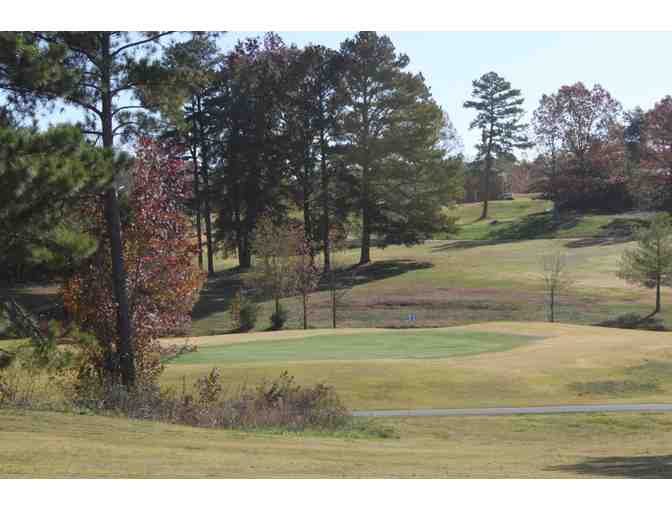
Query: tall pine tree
(391, 132)
(498, 117)
(108, 75)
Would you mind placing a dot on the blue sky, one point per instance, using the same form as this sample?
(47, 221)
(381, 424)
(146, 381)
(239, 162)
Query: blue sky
(633, 66)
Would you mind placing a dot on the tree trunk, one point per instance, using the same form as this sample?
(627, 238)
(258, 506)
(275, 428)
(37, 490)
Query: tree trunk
(305, 311)
(486, 186)
(365, 255)
(244, 253)
(552, 318)
(325, 205)
(208, 225)
(657, 310)
(206, 191)
(197, 198)
(126, 364)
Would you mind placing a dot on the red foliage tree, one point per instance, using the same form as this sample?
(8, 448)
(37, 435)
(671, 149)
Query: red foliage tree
(582, 144)
(159, 252)
(658, 128)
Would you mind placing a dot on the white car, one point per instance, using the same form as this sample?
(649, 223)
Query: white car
(507, 196)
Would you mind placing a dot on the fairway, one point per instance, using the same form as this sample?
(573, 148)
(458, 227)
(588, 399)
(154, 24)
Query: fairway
(427, 344)
(41, 445)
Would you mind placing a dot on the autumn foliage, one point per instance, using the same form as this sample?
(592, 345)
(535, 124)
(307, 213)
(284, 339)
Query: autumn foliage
(580, 142)
(162, 278)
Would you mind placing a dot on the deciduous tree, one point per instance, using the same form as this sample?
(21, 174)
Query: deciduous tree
(163, 281)
(94, 71)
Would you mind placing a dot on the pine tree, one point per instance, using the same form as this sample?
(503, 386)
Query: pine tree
(194, 64)
(43, 176)
(391, 132)
(93, 71)
(498, 117)
(649, 263)
(250, 105)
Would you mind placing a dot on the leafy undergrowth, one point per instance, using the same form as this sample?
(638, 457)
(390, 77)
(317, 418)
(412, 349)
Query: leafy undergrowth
(277, 406)
(635, 321)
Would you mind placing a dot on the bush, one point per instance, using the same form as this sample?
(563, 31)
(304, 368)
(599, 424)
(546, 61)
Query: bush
(272, 404)
(248, 316)
(279, 318)
(244, 312)
(634, 321)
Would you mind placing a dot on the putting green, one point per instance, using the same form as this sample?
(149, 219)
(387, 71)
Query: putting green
(425, 344)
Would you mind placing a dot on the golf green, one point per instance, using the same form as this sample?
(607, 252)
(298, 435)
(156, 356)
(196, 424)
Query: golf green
(380, 345)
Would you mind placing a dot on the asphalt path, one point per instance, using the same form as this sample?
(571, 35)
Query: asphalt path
(508, 411)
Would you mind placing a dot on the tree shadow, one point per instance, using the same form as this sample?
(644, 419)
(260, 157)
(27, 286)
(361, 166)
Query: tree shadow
(218, 292)
(381, 270)
(658, 466)
(543, 225)
(535, 226)
(466, 244)
(587, 242)
(220, 289)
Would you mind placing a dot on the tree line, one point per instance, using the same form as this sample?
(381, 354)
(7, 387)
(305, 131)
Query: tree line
(346, 139)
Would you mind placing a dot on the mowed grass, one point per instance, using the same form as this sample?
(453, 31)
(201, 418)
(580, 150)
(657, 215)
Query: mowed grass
(363, 346)
(552, 364)
(42, 445)
(529, 217)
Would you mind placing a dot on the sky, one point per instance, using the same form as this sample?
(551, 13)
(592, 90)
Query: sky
(633, 66)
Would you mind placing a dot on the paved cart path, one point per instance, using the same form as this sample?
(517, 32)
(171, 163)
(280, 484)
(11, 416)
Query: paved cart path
(506, 411)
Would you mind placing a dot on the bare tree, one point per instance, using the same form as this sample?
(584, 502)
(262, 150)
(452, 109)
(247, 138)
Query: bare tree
(556, 280)
(340, 278)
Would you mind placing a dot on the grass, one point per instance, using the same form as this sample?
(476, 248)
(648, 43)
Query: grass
(42, 445)
(363, 346)
(457, 281)
(528, 217)
(448, 283)
(568, 366)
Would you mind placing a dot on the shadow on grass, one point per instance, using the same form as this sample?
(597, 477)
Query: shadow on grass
(543, 225)
(220, 289)
(654, 466)
(218, 292)
(385, 269)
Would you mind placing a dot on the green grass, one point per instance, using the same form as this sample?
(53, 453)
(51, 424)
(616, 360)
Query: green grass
(55, 445)
(527, 217)
(502, 210)
(389, 345)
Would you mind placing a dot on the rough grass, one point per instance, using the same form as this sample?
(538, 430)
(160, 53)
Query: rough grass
(42, 445)
(453, 282)
(458, 282)
(540, 372)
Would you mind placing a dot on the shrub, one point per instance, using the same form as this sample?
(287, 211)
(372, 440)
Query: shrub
(635, 321)
(279, 318)
(248, 316)
(244, 312)
(279, 403)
